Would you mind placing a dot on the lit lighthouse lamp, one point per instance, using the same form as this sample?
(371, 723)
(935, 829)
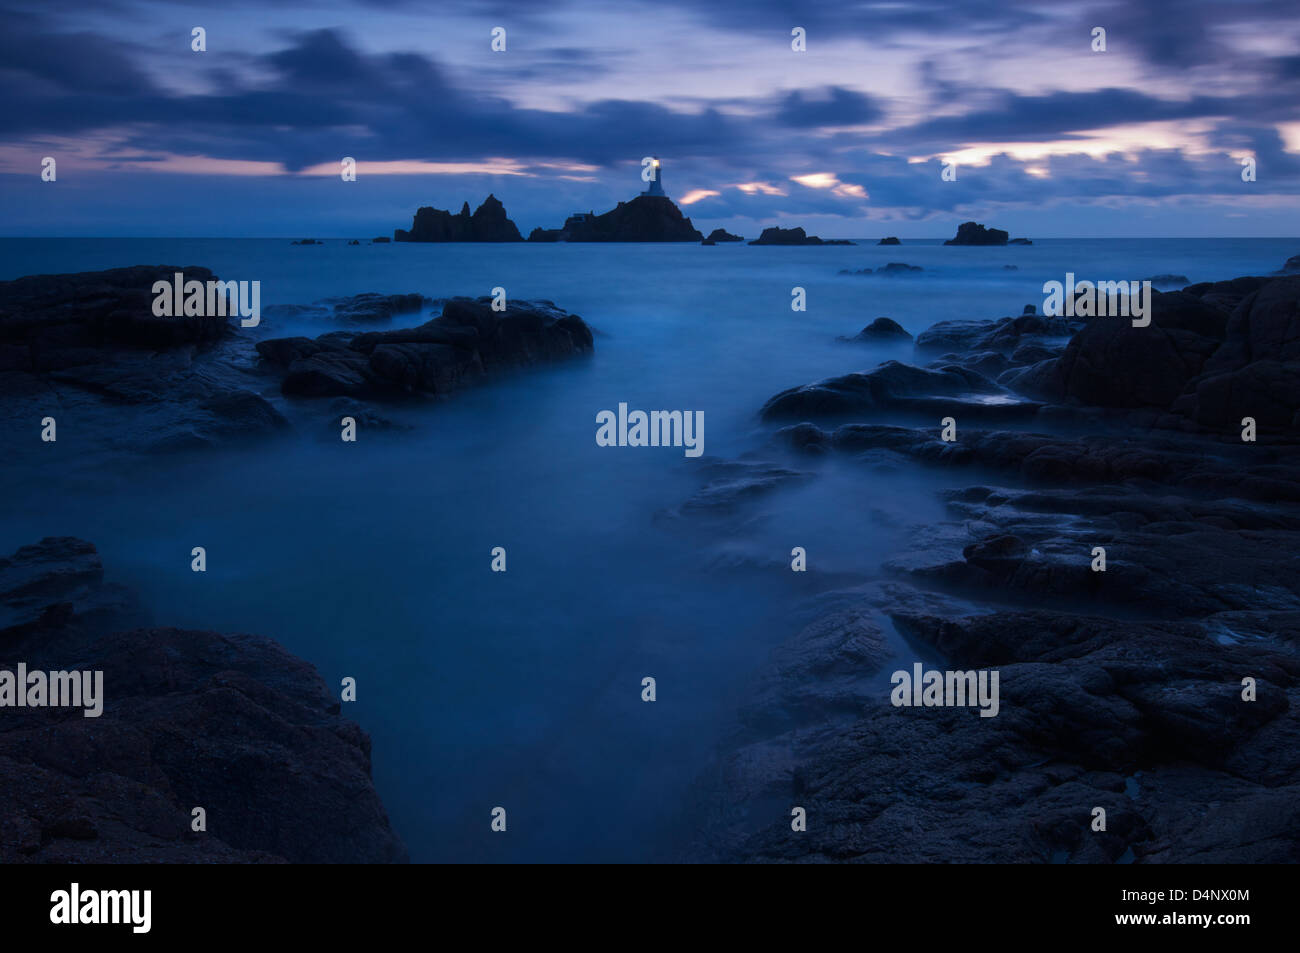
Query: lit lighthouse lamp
(656, 184)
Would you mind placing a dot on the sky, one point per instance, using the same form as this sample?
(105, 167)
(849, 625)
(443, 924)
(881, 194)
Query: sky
(847, 137)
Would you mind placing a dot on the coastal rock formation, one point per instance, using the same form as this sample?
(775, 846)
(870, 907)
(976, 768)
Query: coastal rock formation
(972, 233)
(88, 348)
(232, 723)
(794, 236)
(467, 343)
(1291, 265)
(722, 235)
(1120, 688)
(891, 240)
(646, 218)
(488, 224)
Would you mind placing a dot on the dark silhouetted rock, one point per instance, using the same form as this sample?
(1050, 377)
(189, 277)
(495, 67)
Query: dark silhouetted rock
(972, 233)
(722, 235)
(891, 240)
(646, 218)
(488, 224)
(794, 236)
(1291, 265)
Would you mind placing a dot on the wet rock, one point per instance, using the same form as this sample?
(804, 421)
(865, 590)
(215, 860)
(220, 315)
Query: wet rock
(881, 330)
(232, 723)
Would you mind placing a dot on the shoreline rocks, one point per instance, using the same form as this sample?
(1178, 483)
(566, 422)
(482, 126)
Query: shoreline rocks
(468, 343)
(1120, 688)
(232, 723)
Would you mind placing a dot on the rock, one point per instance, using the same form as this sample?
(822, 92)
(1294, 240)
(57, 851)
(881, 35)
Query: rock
(545, 235)
(380, 240)
(882, 329)
(1110, 363)
(722, 235)
(89, 345)
(898, 268)
(465, 344)
(376, 307)
(892, 386)
(1291, 265)
(354, 242)
(708, 242)
(307, 241)
(488, 224)
(891, 240)
(972, 233)
(1004, 335)
(794, 236)
(1168, 281)
(230, 722)
(646, 218)
(1020, 241)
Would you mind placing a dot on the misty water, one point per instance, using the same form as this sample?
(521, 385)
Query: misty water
(523, 689)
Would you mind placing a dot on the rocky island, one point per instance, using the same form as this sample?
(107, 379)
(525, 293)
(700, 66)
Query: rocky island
(488, 223)
(794, 236)
(973, 233)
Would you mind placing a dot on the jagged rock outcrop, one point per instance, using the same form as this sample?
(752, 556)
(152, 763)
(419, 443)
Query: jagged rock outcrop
(231, 723)
(722, 235)
(488, 224)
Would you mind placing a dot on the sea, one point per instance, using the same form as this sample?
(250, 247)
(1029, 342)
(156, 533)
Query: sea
(523, 689)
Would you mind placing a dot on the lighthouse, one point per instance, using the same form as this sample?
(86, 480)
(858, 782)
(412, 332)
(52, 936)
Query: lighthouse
(656, 184)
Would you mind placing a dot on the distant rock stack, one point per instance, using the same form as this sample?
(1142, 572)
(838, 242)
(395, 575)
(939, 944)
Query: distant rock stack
(488, 224)
(973, 233)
